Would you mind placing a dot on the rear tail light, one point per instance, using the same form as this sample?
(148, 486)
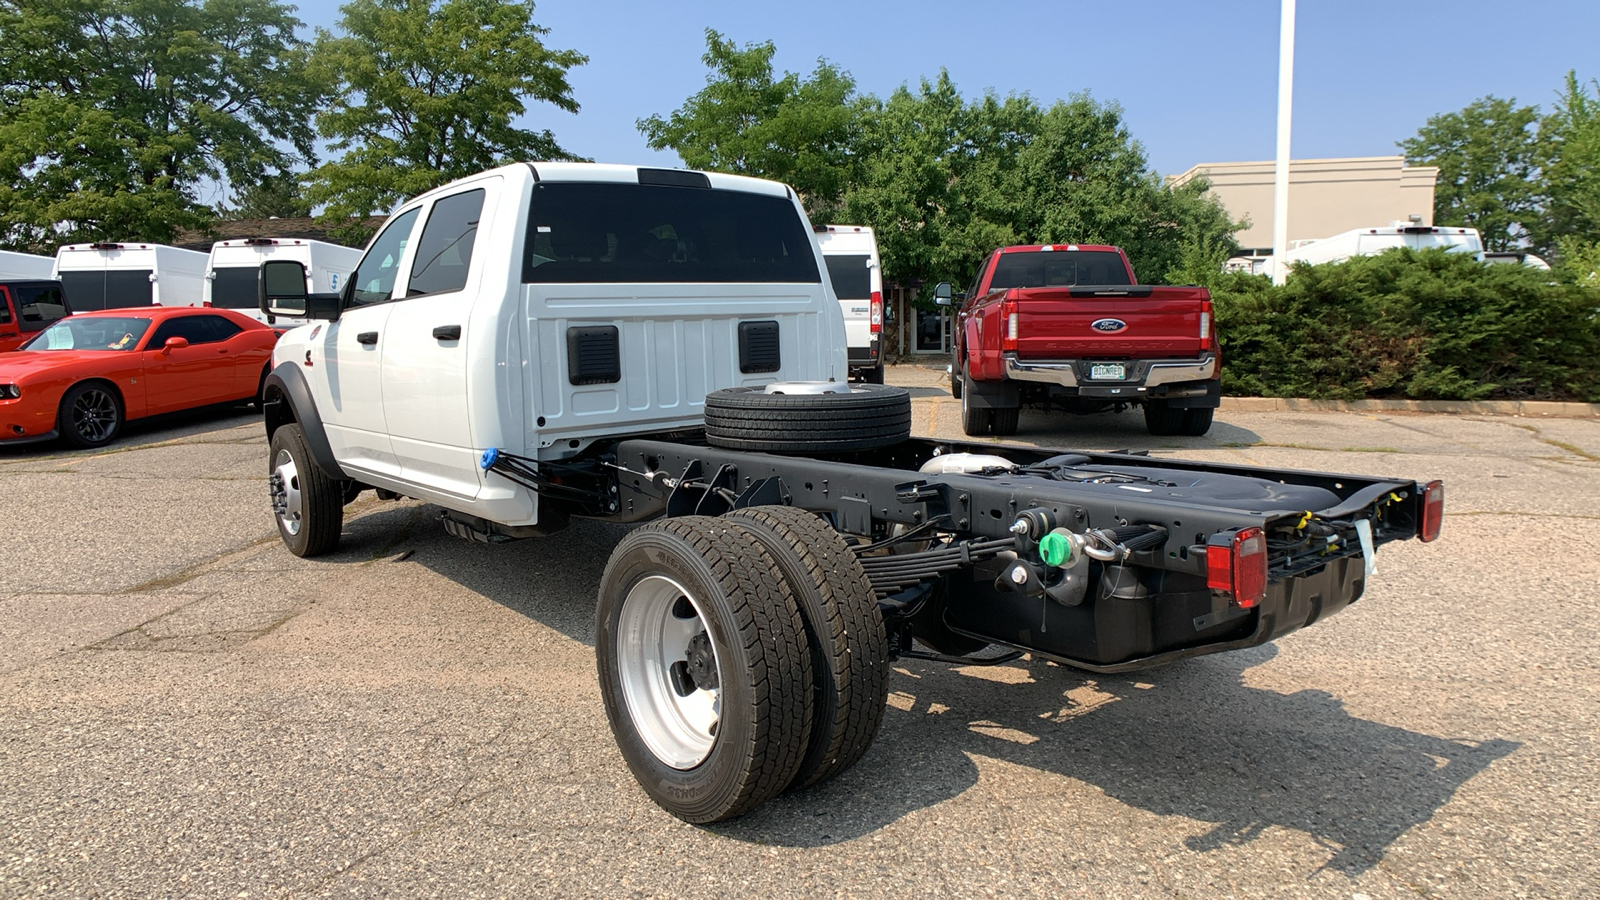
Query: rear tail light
(1432, 510)
(1237, 564)
(876, 316)
(1207, 339)
(1008, 315)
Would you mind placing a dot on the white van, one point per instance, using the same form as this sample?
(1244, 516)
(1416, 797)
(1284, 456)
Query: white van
(115, 276)
(851, 252)
(233, 268)
(25, 267)
(1373, 241)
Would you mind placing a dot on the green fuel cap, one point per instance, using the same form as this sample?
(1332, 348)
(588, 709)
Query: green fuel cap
(1055, 549)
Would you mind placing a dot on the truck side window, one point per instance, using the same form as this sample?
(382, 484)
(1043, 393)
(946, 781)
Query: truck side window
(5, 309)
(39, 305)
(373, 281)
(977, 280)
(444, 252)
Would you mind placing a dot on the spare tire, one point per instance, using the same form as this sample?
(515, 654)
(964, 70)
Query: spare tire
(806, 417)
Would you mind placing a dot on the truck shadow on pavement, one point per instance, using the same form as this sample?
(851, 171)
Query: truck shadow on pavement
(1191, 740)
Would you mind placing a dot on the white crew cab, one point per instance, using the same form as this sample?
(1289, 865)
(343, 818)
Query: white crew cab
(234, 266)
(536, 308)
(856, 275)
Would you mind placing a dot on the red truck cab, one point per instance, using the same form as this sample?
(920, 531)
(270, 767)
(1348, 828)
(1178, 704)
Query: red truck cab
(27, 307)
(1069, 326)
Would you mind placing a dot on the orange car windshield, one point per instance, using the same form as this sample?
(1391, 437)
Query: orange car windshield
(91, 333)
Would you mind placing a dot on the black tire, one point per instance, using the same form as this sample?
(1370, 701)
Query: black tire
(90, 415)
(1005, 420)
(955, 381)
(975, 421)
(259, 401)
(869, 417)
(1161, 419)
(663, 581)
(1196, 422)
(307, 505)
(873, 375)
(844, 632)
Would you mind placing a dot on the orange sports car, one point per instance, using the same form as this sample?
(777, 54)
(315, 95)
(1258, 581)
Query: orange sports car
(85, 375)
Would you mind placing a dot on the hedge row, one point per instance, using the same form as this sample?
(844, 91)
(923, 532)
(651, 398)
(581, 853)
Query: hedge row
(1417, 325)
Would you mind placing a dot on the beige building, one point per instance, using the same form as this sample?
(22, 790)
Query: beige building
(1326, 196)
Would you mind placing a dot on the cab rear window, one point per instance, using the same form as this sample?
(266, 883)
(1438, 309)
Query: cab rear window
(641, 234)
(1060, 268)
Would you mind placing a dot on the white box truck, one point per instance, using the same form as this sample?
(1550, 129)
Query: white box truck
(25, 266)
(1373, 241)
(115, 276)
(851, 252)
(234, 266)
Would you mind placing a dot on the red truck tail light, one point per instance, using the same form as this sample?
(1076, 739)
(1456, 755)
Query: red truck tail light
(875, 318)
(1238, 565)
(1432, 510)
(1008, 322)
(1207, 338)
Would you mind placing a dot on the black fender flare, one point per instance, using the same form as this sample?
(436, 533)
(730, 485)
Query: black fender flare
(288, 399)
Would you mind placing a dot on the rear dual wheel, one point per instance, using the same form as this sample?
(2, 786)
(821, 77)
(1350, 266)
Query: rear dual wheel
(1163, 419)
(703, 667)
(978, 420)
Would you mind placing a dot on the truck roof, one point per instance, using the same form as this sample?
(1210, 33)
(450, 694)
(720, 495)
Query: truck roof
(1038, 248)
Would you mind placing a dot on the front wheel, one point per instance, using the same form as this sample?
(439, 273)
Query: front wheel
(703, 667)
(90, 415)
(307, 504)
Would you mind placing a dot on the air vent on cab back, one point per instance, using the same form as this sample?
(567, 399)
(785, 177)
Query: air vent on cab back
(593, 355)
(758, 347)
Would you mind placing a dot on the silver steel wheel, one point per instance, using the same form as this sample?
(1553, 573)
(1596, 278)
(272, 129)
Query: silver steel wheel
(671, 677)
(94, 415)
(287, 502)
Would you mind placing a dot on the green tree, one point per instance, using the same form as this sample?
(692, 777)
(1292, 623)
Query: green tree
(791, 129)
(272, 197)
(1572, 175)
(1489, 157)
(427, 92)
(114, 114)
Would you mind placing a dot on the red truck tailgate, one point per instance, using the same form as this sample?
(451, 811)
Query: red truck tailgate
(1057, 323)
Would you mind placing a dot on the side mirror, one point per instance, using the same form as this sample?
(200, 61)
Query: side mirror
(174, 343)
(942, 293)
(281, 288)
(282, 292)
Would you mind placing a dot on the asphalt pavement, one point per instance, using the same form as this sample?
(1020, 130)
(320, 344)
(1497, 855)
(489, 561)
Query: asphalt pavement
(188, 710)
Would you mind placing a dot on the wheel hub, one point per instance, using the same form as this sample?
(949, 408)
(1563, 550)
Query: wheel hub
(283, 485)
(671, 679)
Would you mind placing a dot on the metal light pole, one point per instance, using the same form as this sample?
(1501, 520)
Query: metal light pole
(1280, 183)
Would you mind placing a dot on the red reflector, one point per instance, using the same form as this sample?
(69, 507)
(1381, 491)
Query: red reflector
(876, 317)
(1432, 510)
(1239, 567)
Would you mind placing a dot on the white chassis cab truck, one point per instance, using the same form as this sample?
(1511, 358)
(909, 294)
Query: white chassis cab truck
(556, 340)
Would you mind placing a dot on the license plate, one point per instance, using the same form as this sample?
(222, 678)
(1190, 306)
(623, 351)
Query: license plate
(1108, 371)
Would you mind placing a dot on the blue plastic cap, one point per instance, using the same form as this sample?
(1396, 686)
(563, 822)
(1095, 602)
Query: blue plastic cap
(488, 458)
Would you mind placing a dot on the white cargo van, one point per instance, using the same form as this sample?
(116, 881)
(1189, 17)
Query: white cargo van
(1373, 241)
(115, 276)
(234, 266)
(25, 267)
(851, 252)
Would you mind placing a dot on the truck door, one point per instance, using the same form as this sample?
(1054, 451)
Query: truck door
(352, 408)
(425, 349)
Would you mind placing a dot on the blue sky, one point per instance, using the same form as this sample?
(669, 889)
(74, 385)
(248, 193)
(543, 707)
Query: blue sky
(1197, 81)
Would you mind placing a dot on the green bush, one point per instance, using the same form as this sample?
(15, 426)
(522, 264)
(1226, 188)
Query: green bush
(1420, 325)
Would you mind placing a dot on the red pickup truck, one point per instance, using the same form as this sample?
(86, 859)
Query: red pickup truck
(1068, 325)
